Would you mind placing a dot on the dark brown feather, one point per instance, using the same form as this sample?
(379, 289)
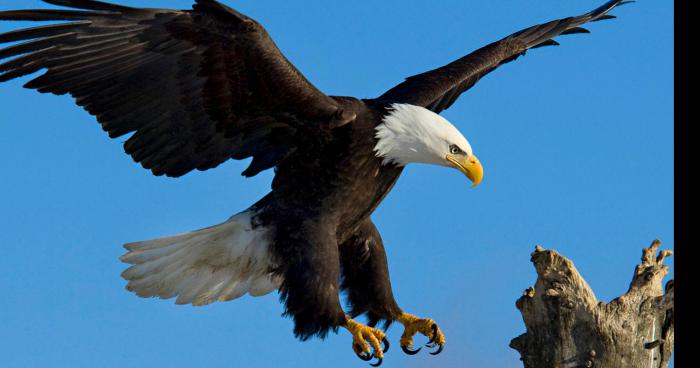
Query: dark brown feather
(44, 15)
(33, 46)
(575, 30)
(196, 87)
(88, 4)
(42, 31)
(440, 88)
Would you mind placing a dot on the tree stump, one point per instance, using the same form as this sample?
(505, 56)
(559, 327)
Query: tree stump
(567, 327)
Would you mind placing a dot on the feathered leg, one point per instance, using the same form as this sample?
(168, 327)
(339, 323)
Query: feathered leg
(309, 263)
(366, 277)
(366, 280)
(306, 252)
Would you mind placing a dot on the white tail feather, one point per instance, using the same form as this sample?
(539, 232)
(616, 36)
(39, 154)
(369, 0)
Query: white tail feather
(222, 262)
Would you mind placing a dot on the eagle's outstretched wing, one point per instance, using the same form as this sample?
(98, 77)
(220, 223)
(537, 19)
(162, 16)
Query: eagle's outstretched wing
(197, 87)
(438, 89)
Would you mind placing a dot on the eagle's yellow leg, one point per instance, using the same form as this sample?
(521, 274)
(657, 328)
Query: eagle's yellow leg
(424, 326)
(366, 339)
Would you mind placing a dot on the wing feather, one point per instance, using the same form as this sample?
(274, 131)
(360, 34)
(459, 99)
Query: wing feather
(438, 89)
(195, 87)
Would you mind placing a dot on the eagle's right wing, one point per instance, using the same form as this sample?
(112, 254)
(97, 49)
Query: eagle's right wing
(438, 89)
(197, 87)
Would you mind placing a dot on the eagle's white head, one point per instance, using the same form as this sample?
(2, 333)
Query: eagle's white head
(413, 134)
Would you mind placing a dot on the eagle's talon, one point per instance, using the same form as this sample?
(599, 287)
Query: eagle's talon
(424, 326)
(434, 335)
(378, 363)
(365, 356)
(408, 350)
(367, 342)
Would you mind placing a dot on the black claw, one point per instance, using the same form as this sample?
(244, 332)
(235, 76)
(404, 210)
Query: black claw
(386, 345)
(365, 356)
(408, 350)
(435, 335)
(438, 351)
(378, 363)
(432, 343)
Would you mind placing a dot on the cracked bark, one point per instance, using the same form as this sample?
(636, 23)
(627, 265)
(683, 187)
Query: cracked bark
(567, 327)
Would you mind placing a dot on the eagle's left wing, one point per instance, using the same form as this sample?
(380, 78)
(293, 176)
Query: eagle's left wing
(438, 89)
(196, 87)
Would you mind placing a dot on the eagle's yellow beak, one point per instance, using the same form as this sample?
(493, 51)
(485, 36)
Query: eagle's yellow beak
(471, 167)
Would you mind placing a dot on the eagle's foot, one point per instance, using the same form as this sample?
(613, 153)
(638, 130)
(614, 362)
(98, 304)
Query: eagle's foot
(424, 326)
(363, 337)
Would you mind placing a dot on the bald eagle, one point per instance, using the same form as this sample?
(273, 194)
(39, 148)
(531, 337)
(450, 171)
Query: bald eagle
(195, 88)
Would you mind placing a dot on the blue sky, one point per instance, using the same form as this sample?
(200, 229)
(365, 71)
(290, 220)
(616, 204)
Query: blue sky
(576, 141)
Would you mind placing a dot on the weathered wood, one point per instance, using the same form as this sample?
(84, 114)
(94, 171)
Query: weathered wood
(567, 327)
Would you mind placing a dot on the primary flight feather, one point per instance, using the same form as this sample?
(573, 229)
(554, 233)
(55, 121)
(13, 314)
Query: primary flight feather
(195, 88)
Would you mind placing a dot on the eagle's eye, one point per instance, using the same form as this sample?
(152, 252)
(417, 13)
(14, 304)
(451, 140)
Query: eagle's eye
(455, 150)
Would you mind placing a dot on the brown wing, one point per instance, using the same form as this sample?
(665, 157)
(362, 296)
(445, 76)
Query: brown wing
(438, 89)
(197, 87)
